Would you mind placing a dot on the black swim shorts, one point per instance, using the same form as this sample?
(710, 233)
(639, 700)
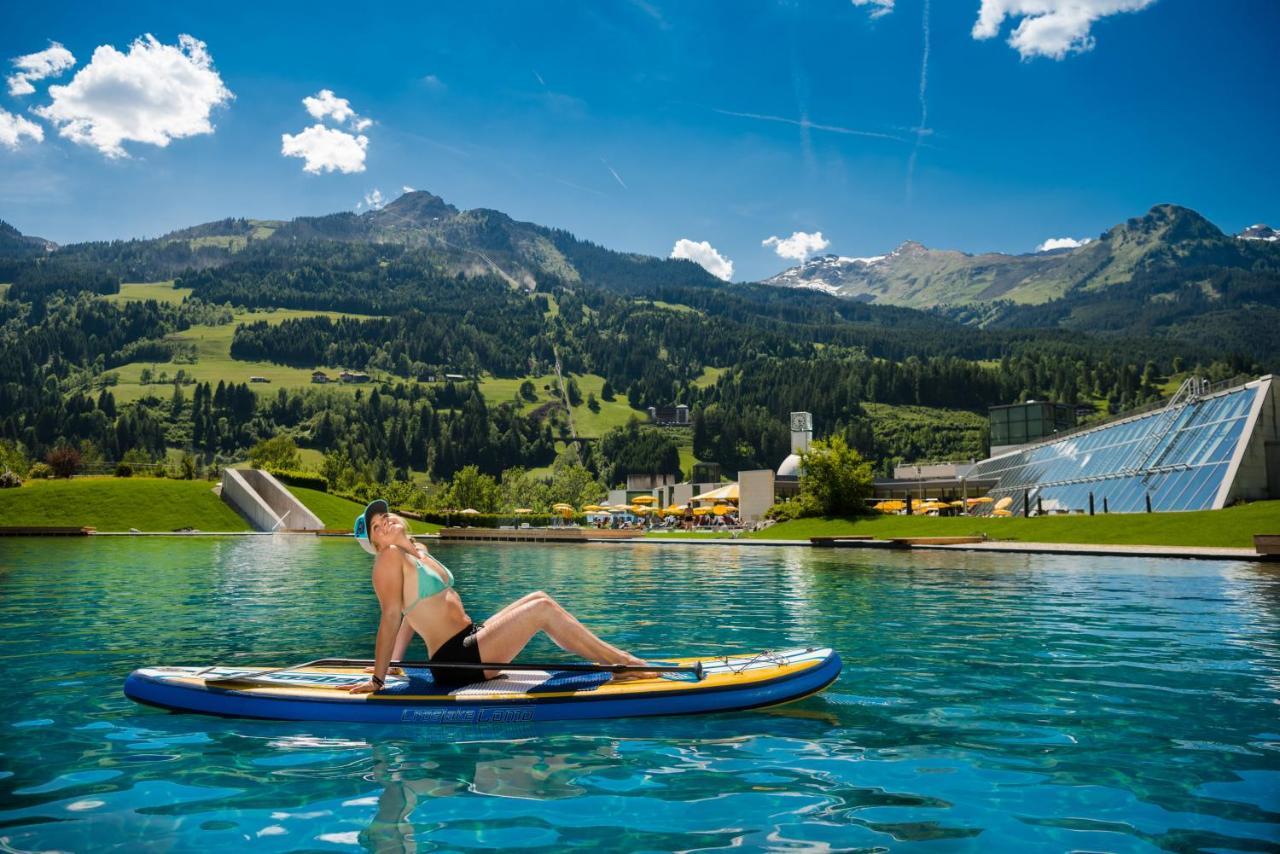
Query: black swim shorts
(461, 648)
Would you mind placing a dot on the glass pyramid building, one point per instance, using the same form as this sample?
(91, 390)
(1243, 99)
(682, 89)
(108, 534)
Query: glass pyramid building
(1205, 449)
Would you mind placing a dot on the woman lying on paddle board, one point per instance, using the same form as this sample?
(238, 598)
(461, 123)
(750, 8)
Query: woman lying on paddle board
(416, 589)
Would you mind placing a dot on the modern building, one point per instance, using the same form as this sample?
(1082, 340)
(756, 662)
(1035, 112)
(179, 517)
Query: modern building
(670, 416)
(1027, 423)
(1208, 447)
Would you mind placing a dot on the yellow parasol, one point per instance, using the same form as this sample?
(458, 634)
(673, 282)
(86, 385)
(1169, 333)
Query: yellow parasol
(892, 506)
(469, 512)
(1000, 511)
(644, 499)
(957, 503)
(591, 508)
(730, 492)
(701, 511)
(721, 509)
(1003, 503)
(524, 510)
(985, 499)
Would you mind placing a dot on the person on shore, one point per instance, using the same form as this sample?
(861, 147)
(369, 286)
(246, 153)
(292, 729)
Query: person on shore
(416, 594)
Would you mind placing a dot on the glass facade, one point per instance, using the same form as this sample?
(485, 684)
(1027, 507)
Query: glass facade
(1178, 457)
(1021, 423)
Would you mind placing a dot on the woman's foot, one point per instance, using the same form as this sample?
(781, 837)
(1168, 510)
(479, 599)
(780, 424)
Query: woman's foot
(634, 675)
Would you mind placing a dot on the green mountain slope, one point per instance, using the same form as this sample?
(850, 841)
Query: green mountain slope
(1168, 238)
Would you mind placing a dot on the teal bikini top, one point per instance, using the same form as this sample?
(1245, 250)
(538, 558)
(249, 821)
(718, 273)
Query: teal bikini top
(429, 584)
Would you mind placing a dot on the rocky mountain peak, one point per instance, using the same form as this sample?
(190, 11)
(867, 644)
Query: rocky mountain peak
(414, 208)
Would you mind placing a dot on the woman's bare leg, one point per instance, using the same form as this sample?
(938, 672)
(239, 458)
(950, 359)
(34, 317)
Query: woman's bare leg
(506, 633)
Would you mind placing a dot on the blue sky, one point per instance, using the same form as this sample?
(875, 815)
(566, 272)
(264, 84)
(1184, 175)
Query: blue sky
(638, 124)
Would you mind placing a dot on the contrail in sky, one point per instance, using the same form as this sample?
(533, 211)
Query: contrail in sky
(615, 175)
(805, 123)
(539, 78)
(924, 104)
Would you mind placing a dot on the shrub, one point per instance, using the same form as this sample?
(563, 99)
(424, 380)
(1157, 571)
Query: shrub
(305, 479)
(64, 460)
(124, 470)
(836, 479)
(277, 452)
(39, 471)
(9, 480)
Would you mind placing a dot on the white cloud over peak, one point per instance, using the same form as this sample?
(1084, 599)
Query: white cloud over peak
(1061, 243)
(705, 256)
(373, 200)
(49, 62)
(799, 246)
(326, 150)
(878, 7)
(1052, 28)
(14, 128)
(407, 189)
(155, 93)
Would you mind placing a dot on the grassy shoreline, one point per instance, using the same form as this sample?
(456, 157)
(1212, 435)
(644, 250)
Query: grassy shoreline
(152, 505)
(1233, 527)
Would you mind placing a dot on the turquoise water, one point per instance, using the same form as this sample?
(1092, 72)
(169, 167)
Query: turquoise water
(988, 702)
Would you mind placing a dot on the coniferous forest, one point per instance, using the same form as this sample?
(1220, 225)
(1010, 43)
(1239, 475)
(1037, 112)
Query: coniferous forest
(654, 330)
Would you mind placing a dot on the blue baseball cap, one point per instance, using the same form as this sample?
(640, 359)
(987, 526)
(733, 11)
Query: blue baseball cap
(361, 527)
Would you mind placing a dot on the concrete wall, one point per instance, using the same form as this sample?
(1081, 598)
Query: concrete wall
(1250, 482)
(755, 494)
(265, 502)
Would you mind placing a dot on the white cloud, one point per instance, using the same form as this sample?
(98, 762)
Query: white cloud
(373, 200)
(325, 104)
(14, 128)
(431, 81)
(1061, 243)
(705, 256)
(878, 7)
(326, 149)
(407, 189)
(153, 94)
(1051, 28)
(798, 246)
(49, 62)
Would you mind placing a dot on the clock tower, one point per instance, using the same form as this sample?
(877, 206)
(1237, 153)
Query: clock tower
(801, 431)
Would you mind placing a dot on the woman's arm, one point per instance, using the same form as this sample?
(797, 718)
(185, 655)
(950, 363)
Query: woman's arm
(388, 582)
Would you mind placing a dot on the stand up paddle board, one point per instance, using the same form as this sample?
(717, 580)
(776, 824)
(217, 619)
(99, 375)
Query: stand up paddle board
(318, 691)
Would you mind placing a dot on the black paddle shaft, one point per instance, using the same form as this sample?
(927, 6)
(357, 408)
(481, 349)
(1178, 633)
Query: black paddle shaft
(580, 667)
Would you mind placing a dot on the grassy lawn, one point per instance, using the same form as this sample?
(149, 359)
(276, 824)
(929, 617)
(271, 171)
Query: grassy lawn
(338, 512)
(708, 377)
(118, 504)
(141, 291)
(213, 355)
(614, 413)
(1233, 527)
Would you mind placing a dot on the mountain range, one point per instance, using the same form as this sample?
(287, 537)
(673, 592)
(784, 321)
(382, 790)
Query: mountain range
(1168, 238)
(1167, 268)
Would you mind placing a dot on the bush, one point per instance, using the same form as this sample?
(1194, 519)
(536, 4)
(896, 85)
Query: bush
(64, 460)
(279, 452)
(305, 479)
(9, 480)
(124, 470)
(836, 479)
(39, 471)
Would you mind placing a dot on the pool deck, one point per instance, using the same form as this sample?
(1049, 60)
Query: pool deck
(1008, 547)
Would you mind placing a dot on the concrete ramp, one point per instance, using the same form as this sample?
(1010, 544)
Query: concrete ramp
(265, 502)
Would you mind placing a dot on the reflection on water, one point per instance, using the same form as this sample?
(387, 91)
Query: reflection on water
(987, 702)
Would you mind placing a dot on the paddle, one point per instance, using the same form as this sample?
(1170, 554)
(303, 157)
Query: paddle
(252, 679)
